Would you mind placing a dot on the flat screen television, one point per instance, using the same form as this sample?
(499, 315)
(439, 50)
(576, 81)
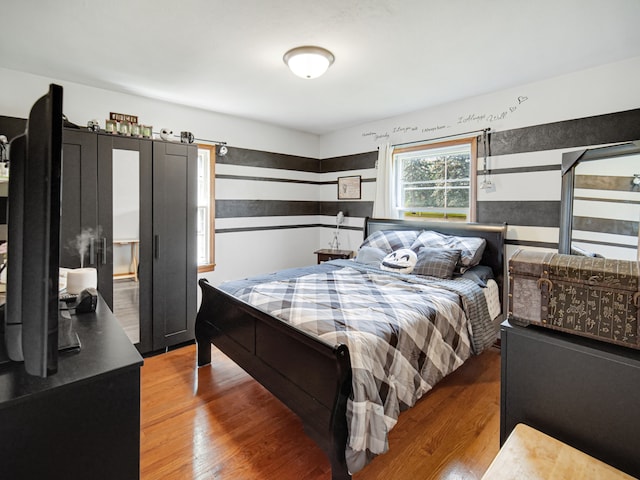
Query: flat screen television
(33, 248)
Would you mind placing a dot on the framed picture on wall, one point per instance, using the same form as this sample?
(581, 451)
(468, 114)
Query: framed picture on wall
(349, 187)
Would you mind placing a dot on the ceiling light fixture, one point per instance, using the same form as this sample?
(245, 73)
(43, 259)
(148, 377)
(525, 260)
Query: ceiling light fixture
(308, 62)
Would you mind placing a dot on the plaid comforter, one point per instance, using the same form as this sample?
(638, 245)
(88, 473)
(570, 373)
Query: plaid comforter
(404, 334)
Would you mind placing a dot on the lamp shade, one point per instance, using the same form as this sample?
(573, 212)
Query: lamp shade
(308, 62)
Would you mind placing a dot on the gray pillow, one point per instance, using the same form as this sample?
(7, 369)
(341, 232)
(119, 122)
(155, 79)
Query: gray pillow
(471, 248)
(436, 262)
(371, 256)
(479, 274)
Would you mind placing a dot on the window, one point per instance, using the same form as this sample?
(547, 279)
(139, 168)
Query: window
(206, 207)
(436, 180)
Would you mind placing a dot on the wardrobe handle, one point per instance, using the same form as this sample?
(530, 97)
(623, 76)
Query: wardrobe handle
(104, 250)
(156, 246)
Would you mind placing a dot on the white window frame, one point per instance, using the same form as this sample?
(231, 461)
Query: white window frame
(426, 149)
(206, 207)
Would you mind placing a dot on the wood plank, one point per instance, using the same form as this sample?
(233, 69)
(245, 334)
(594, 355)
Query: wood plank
(531, 455)
(217, 422)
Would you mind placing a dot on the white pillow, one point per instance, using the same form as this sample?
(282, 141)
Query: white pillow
(400, 261)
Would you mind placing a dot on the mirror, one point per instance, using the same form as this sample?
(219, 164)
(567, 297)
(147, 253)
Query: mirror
(600, 209)
(126, 241)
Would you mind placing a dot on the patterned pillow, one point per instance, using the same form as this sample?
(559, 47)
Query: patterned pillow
(390, 240)
(371, 256)
(479, 274)
(436, 262)
(471, 248)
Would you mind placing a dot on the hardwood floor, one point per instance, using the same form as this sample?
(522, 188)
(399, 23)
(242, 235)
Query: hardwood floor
(216, 422)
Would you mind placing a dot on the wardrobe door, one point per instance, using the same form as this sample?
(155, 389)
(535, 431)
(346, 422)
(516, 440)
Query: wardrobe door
(79, 201)
(125, 215)
(174, 229)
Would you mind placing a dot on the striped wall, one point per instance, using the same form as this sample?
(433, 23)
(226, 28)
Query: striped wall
(606, 206)
(280, 208)
(525, 168)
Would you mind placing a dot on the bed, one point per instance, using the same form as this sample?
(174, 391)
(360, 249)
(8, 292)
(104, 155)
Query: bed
(310, 369)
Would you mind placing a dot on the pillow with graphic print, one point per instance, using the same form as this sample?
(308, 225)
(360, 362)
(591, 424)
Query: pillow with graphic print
(399, 261)
(471, 248)
(390, 240)
(370, 256)
(436, 262)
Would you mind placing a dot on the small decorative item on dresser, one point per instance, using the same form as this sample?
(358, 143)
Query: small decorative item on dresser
(147, 131)
(326, 254)
(125, 128)
(186, 137)
(93, 125)
(166, 134)
(111, 126)
(135, 130)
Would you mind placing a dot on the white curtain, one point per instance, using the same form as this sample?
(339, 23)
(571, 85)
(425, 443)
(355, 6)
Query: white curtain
(383, 203)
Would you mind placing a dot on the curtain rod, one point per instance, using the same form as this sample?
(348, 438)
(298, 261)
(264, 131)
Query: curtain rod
(198, 140)
(214, 142)
(484, 130)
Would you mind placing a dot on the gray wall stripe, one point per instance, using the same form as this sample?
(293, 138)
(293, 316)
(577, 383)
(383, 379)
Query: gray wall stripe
(540, 168)
(609, 200)
(257, 158)
(608, 244)
(278, 208)
(267, 179)
(283, 227)
(264, 208)
(349, 208)
(596, 130)
(525, 213)
(606, 225)
(525, 243)
(284, 180)
(359, 161)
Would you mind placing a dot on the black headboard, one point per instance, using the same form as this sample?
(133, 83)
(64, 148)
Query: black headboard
(495, 235)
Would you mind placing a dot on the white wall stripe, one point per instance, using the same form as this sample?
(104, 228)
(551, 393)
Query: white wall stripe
(529, 186)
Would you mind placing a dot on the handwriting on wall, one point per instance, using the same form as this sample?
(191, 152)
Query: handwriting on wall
(469, 118)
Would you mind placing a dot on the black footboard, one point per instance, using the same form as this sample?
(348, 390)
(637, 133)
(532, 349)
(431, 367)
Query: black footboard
(308, 375)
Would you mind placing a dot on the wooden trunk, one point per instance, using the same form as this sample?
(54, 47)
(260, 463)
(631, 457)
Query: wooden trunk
(592, 297)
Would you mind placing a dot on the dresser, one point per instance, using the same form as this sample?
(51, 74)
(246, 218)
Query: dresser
(84, 421)
(582, 392)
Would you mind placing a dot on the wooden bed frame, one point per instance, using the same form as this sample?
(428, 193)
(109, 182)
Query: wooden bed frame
(280, 356)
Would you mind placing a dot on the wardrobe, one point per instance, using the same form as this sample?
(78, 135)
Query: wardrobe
(129, 210)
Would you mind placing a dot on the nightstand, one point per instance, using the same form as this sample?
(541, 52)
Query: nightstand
(327, 254)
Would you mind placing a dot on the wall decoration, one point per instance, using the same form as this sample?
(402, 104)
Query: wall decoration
(123, 117)
(349, 188)
(481, 118)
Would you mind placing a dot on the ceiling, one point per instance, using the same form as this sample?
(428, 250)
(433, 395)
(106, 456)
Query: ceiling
(392, 56)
